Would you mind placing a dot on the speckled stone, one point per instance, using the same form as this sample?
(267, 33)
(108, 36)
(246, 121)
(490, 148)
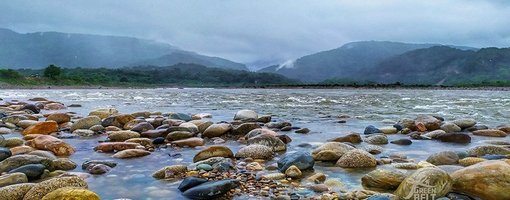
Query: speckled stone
(41, 189)
(74, 193)
(15, 192)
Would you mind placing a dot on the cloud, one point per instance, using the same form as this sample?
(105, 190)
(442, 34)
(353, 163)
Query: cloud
(266, 31)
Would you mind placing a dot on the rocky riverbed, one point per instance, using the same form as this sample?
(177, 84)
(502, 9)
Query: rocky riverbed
(63, 148)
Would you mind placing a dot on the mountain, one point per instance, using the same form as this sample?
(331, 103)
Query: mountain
(36, 50)
(347, 62)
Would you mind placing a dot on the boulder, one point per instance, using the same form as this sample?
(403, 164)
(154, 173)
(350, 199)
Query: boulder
(356, 158)
(131, 153)
(425, 183)
(244, 128)
(450, 127)
(43, 188)
(431, 123)
(444, 158)
(388, 130)
(104, 112)
(191, 126)
(190, 182)
(255, 151)
(434, 134)
(32, 171)
(460, 138)
(189, 142)
(16, 191)
(4, 153)
(59, 118)
(371, 130)
(402, 142)
(490, 133)
(4, 130)
(216, 130)
(98, 169)
(13, 142)
(88, 163)
(330, 151)
(487, 150)
(302, 160)
(293, 172)
(470, 161)
(12, 178)
(54, 106)
(86, 123)
(464, 123)
(211, 190)
(44, 128)
(382, 180)
(43, 153)
(64, 164)
(302, 130)
(354, 138)
(74, 193)
(246, 115)
(170, 172)
(53, 144)
(377, 139)
(178, 135)
(84, 132)
(259, 131)
(115, 146)
(180, 116)
(142, 127)
(213, 151)
(120, 136)
(268, 140)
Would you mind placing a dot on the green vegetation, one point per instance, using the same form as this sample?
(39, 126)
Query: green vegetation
(52, 72)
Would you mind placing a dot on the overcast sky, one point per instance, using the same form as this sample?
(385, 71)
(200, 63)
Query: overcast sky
(265, 32)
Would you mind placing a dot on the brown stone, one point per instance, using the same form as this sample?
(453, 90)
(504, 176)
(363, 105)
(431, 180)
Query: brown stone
(44, 128)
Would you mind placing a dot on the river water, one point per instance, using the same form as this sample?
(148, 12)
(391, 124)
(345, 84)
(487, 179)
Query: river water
(311, 108)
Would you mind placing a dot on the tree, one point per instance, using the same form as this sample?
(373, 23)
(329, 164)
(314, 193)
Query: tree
(52, 72)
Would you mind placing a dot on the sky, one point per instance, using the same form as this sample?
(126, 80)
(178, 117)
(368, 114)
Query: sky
(260, 33)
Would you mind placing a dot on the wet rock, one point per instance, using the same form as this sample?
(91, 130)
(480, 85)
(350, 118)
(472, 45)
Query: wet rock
(190, 182)
(86, 123)
(42, 153)
(470, 161)
(104, 112)
(213, 151)
(26, 123)
(382, 180)
(16, 191)
(84, 132)
(496, 142)
(302, 160)
(12, 178)
(43, 188)
(302, 130)
(496, 157)
(426, 183)
(443, 158)
(31, 107)
(131, 153)
(170, 172)
(388, 130)
(142, 127)
(14, 119)
(476, 128)
(212, 189)
(372, 149)
(488, 149)
(354, 138)
(203, 126)
(180, 116)
(13, 142)
(42, 128)
(377, 139)
(88, 163)
(216, 130)
(246, 115)
(259, 131)
(371, 130)
(464, 123)
(293, 172)
(120, 136)
(21, 150)
(191, 126)
(431, 123)
(486, 180)
(284, 138)
(244, 128)
(330, 151)
(115, 146)
(450, 127)
(117, 120)
(460, 138)
(277, 125)
(4, 153)
(268, 140)
(178, 135)
(32, 171)
(189, 142)
(264, 119)
(402, 142)
(319, 188)
(220, 164)
(356, 158)
(154, 133)
(204, 167)
(53, 144)
(255, 151)
(450, 168)
(490, 133)
(317, 178)
(4, 131)
(98, 169)
(146, 142)
(74, 193)
(64, 164)
(59, 118)
(287, 128)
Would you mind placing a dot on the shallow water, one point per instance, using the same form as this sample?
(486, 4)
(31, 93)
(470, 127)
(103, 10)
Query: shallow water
(314, 109)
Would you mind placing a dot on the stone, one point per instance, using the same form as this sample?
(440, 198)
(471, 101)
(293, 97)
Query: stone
(460, 138)
(131, 153)
(490, 133)
(496, 157)
(74, 193)
(255, 151)
(382, 180)
(180, 116)
(98, 169)
(31, 107)
(12, 178)
(488, 149)
(302, 131)
(16, 191)
(190, 182)
(32, 171)
(486, 180)
(120, 136)
(64, 164)
(464, 123)
(189, 142)
(470, 161)
(115, 146)
(84, 132)
(402, 142)
(356, 158)
(4, 130)
(377, 139)
(13, 142)
(268, 140)
(444, 158)
(216, 130)
(388, 130)
(142, 127)
(293, 172)
(178, 135)
(246, 115)
(59, 118)
(44, 128)
(43, 188)
(319, 188)
(191, 126)
(53, 144)
(302, 160)
(244, 128)
(146, 142)
(88, 163)
(14, 119)
(205, 167)
(330, 151)
(154, 133)
(274, 176)
(354, 138)
(86, 123)
(213, 151)
(104, 112)
(20, 160)
(371, 130)
(277, 125)
(170, 172)
(450, 127)
(431, 123)
(317, 178)
(97, 128)
(259, 131)
(54, 106)
(21, 150)
(218, 163)
(203, 126)
(211, 189)
(427, 183)
(264, 119)
(476, 128)
(4, 153)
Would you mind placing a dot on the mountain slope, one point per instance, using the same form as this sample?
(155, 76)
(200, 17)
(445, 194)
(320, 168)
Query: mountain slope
(191, 57)
(35, 50)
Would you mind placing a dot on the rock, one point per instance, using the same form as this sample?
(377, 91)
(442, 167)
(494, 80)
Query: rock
(170, 172)
(388, 130)
(213, 151)
(31, 107)
(402, 142)
(142, 127)
(13, 142)
(496, 157)
(12, 178)
(426, 183)
(211, 189)
(131, 153)
(274, 176)
(97, 128)
(154, 133)
(255, 151)
(32, 171)
(268, 140)
(264, 119)
(104, 112)
(488, 149)
(317, 178)
(192, 127)
(319, 188)
(330, 151)
(16, 191)
(204, 167)
(178, 135)
(4, 130)
(203, 126)
(450, 127)
(117, 120)
(64, 164)
(377, 139)
(354, 138)
(59, 118)
(490, 133)
(42, 128)
(88, 163)
(277, 125)
(382, 180)
(431, 123)
(302, 160)
(464, 123)
(74, 193)
(98, 169)
(293, 172)
(218, 163)
(21, 150)
(246, 115)
(284, 138)
(216, 130)
(54, 106)
(302, 130)
(120, 136)
(259, 131)
(180, 116)
(190, 182)
(43, 188)
(14, 119)
(443, 158)
(287, 128)
(486, 180)
(146, 142)
(244, 128)
(460, 138)
(115, 146)
(189, 142)
(86, 123)
(4, 153)
(356, 158)
(476, 128)
(53, 144)
(42, 153)
(84, 132)
(470, 161)
(371, 130)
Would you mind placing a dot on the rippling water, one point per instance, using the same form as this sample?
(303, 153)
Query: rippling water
(314, 109)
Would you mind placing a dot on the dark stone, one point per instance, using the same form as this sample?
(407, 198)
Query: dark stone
(304, 145)
(302, 160)
(476, 128)
(31, 107)
(354, 138)
(495, 157)
(154, 133)
(142, 127)
(109, 163)
(341, 121)
(284, 138)
(398, 127)
(438, 117)
(210, 190)
(33, 171)
(287, 128)
(74, 106)
(158, 141)
(163, 126)
(4, 153)
(303, 131)
(180, 116)
(455, 138)
(178, 128)
(190, 182)
(98, 168)
(371, 130)
(402, 142)
(455, 196)
(417, 136)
